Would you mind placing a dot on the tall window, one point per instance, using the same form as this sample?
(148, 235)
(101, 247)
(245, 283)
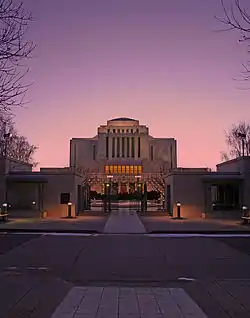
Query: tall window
(128, 144)
(139, 147)
(113, 147)
(94, 152)
(118, 147)
(107, 147)
(123, 147)
(151, 153)
(132, 147)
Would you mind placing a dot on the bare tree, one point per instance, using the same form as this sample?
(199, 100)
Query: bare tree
(237, 137)
(14, 50)
(236, 17)
(13, 145)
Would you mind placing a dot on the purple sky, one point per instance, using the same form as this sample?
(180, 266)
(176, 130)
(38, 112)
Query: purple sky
(157, 61)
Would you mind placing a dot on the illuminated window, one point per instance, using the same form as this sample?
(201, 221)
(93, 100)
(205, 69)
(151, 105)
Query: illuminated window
(131, 169)
(111, 170)
(127, 169)
(135, 169)
(119, 169)
(123, 169)
(139, 169)
(115, 169)
(106, 169)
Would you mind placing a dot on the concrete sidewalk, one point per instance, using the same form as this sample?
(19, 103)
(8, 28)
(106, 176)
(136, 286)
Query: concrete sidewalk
(124, 221)
(166, 224)
(85, 223)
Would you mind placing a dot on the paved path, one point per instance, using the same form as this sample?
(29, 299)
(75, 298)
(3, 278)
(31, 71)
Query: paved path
(124, 221)
(113, 302)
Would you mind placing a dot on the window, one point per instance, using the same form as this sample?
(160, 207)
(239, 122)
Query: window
(108, 131)
(113, 147)
(123, 169)
(114, 131)
(107, 169)
(118, 131)
(127, 169)
(115, 169)
(127, 130)
(137, 130)
(131, 131)
(111, 170)
(119, 170)
(128, 144)
(131, 169)
(65, 198)
(107, 147)
(118, 147)
(139, 169)
(151, 153)
(132, 147)
(135, 170)
(122, 130)
(139, 147)
(94, 152)
(123, 147)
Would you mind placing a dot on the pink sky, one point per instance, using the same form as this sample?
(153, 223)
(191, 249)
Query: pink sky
(154, 60)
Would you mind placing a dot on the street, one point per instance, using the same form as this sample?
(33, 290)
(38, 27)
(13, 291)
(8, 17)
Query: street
(37, 271)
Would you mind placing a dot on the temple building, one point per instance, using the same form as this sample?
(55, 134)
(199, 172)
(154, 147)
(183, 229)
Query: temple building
(124, 149)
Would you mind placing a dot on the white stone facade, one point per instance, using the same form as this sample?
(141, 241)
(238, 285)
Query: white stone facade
(123, 141)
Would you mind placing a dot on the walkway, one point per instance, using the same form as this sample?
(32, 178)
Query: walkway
(124, 221)
(113, 302)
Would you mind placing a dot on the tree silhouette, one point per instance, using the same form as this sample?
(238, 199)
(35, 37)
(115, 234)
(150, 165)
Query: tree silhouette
(233, 138)
(14, 51)
(236, 17)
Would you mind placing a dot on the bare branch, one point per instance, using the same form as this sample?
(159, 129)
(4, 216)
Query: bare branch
(14, 51)
(237, 18)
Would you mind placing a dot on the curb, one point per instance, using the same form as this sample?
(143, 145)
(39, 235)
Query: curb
(48, 231)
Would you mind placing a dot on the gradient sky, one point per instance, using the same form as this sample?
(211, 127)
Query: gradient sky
(158, 61)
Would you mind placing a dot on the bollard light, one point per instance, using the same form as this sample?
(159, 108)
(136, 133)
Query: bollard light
(178, 210)
(34, 203)
(69, 209)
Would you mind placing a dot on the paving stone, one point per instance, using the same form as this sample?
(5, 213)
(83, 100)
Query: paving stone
(188, 307)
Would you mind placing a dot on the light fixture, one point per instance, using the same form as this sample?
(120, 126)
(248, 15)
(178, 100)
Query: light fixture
(69, 203)
(5, 204)
(244, 207)
(178, 204)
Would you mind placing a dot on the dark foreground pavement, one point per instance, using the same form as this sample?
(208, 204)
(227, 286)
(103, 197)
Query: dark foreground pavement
(37, 271)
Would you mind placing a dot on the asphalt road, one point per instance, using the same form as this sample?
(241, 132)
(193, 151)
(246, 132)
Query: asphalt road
(37, 271)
